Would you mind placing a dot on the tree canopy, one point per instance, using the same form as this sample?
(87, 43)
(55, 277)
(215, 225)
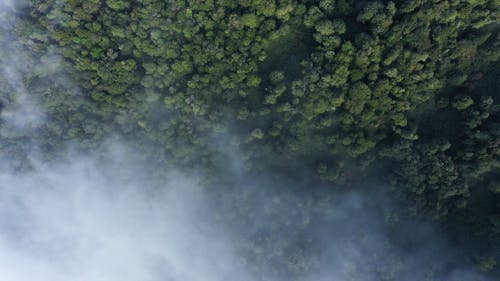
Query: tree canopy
(349, 89)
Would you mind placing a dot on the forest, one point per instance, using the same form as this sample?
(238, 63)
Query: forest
(320, 98)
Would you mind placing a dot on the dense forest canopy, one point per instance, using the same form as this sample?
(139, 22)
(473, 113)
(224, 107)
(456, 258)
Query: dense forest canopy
(401, 93)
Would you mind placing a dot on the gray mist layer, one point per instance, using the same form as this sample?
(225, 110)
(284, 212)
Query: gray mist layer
(20, 112)
(80, 220)
(102, 217)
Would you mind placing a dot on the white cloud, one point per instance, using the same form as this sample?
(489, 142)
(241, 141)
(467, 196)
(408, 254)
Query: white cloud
(73, 221)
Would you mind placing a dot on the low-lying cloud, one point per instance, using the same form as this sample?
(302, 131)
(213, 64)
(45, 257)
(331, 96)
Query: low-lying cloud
(105, 217)
(82, 220)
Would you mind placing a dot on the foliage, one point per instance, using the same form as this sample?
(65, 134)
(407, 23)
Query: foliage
(341, 87)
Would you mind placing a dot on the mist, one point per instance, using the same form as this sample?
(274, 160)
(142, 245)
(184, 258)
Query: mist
(110, 215)
(107, 217)
(77, 220)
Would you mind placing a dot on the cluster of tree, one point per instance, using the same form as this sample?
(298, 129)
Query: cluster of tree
(177, 70)
(340, 86)
(459, 146)
(367, 75)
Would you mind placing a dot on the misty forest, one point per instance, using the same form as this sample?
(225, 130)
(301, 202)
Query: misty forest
(249, 140)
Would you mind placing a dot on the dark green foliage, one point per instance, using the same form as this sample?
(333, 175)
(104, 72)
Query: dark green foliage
(342, 87)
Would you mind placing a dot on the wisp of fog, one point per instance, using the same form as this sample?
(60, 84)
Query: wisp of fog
(73, 221)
